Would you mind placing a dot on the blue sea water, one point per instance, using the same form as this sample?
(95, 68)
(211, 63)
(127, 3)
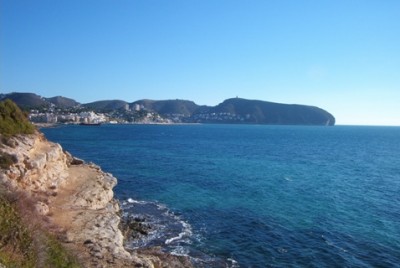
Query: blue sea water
(255, 196)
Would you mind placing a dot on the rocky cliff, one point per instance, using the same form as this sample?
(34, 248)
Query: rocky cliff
(77, 200)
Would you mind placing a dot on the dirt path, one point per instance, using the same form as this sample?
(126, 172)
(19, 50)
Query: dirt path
(62, 208)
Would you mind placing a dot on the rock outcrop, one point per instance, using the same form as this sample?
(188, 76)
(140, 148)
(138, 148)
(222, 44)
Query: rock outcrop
(77, 199)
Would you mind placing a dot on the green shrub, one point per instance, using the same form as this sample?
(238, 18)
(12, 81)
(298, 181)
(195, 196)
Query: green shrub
(6, 160)
(57, 256)
(13, 121)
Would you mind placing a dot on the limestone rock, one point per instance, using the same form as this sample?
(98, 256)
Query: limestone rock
(78, 199)
(42, 208)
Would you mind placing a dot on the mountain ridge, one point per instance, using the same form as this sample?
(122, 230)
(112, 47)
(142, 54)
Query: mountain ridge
(265, 112)
(231, 111)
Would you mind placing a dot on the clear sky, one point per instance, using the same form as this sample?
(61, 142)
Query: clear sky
(340, 55)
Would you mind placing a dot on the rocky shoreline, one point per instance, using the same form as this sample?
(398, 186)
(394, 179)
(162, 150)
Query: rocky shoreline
(77, 201)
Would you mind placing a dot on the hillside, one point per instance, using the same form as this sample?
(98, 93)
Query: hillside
(26, 100)
(106, 105)
(62, 102)
(32, 101)
(238, 110)
(169, 107)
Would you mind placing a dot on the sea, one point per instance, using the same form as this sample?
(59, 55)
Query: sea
(254, 195)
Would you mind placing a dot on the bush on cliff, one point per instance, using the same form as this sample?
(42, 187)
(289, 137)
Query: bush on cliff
(13, 121)
(6, 160)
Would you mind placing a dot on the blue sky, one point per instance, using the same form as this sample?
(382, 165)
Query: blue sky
(342, 56)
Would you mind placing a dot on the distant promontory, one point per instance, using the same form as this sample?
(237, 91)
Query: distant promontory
(230, 111)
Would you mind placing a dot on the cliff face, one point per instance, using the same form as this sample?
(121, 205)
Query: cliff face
(40, 166)
(77, 199)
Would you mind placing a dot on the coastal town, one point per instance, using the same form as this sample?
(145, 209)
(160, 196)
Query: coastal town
(83, 116)
(124, 117)
(128, 114)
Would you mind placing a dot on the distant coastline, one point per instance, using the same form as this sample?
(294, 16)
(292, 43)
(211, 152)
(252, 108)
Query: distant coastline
(230, 111)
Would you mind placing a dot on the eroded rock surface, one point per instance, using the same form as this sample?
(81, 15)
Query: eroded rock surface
(78, 200)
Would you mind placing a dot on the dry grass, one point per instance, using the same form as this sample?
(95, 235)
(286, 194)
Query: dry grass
(26, 239)
(16, 240)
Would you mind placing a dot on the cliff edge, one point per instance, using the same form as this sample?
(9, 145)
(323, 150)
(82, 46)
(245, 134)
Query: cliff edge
(76, 201)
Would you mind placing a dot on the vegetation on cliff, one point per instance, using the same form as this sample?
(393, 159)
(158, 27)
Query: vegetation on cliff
(12, 120)
(23, 240)
(16, 243)
(6, 160)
